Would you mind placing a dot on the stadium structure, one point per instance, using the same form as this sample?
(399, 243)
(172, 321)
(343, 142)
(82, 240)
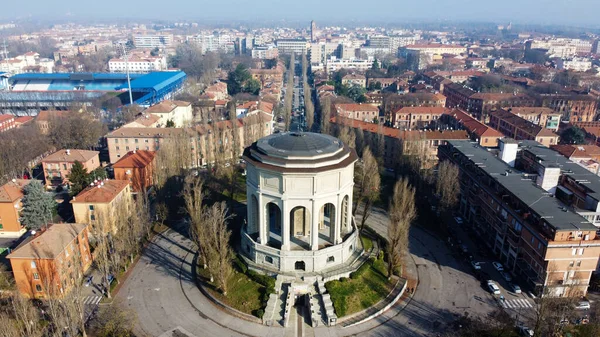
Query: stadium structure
(29, 93)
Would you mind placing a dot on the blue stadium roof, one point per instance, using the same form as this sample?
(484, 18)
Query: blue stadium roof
(74, 76)
(156, 81)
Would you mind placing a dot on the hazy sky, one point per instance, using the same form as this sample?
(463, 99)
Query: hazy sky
(571, 12)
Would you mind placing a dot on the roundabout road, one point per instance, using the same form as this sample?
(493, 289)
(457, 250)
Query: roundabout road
(161, 291)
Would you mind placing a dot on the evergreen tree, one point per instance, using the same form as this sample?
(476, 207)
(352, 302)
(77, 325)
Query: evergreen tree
(38, 206)
(79, 178)
(170, 123)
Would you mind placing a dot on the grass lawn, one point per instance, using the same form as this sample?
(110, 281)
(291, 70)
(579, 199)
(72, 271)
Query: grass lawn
(353, 295)
(244, 294)
(367, 243)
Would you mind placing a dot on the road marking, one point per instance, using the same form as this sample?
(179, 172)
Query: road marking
(92, 300)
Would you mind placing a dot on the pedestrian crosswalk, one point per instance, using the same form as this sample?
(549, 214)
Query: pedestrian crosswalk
(92, 300)
(518, 303)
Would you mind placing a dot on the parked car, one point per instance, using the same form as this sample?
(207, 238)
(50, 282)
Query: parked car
(476, 265)
(583, 305)
(525, 331)
(506, 276)
(515, 288)
(493, 287)
(498, 266)
(458, 220)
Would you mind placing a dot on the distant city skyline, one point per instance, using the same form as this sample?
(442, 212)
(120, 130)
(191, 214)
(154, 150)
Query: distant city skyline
(562, 12)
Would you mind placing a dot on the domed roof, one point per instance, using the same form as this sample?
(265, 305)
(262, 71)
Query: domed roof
(299, 144)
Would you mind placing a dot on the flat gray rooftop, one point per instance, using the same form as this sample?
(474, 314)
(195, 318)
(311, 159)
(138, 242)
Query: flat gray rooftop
(299, 144)
(551, 158)
(515, 181)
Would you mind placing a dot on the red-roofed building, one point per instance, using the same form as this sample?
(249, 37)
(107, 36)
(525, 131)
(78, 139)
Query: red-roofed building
(361, 112)
(217, 91)
(397, 143)
(102, 198)
(485, 135)
(418, 117)
(7, 122)
(45, 116)
(57, 166)
(20, 121)
(137, 168)
(579, 153)
(10, 208)
(513, 126)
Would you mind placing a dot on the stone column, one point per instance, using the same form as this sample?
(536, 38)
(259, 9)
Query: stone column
(337, 226)
(285, 225)
(262, 221)
(314, 226)
(350, 208)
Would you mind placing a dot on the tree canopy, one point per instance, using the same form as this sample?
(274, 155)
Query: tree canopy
(573, 135)
(75, 131)
(38, 206)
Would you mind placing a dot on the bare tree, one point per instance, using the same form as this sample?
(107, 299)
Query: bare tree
(26, 315)
(8, 327)
(369, 182)
(194, 199)
(75, 131)
(402, 212)
(219, 251)
(447, 185)
(114, 321)
(102, 226)
(325, 116)
(289, 94)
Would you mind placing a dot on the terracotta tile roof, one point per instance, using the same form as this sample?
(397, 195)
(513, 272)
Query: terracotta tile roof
(217, 87)
(474, 126)
(146, 120)
(498, 96)
(577, 151)
(593, 130)
(417, 110)
(136, 159)
(23, 119)
(220, 102)
(354, 77)
(166, 106)
(72, 156)
(144, 132)
(13, 190)
(49, 243)
(103, 192)
(4, 118)
(434, 45)
(524, 111)
(406, 135)
(46, 115)
(356, 107)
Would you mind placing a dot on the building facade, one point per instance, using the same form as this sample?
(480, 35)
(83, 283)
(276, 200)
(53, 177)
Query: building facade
(11, 194)
(136, 167)
(513, 126)
(547, 246)
(57, 166)
(102, 198)
(47, 264)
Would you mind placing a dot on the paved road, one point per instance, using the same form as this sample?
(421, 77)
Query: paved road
(161, 291)
(446, 288)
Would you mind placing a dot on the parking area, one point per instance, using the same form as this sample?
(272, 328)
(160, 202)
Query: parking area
(473, 252)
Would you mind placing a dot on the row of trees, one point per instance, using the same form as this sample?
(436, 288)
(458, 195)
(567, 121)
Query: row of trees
(22, 148)
(288, 102)
(309, 107)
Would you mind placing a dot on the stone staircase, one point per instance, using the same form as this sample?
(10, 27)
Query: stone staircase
(328, 315)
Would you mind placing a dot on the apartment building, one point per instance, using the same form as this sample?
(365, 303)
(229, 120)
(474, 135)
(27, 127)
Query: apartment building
(57, 166)
(218, 91)
(11, 194)
(550, 248)
(484, 135)
(355, 79)
(48, 263)
(153, 41)
(251, 128)
(144, 121)
(393, 103)
(362, 112)
(178, 112)
(102, 198)
(265, 52)
(138, 64)
(7, 122)
(419, 56)
(513, 126)
(572, 106)
(136, 167)
(296, 46)
(544, 117)
(397, 143)
(45, 116)
(418, 117)
(334, 64)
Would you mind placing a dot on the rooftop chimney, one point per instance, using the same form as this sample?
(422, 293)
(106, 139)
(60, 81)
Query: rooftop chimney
(68, 152)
